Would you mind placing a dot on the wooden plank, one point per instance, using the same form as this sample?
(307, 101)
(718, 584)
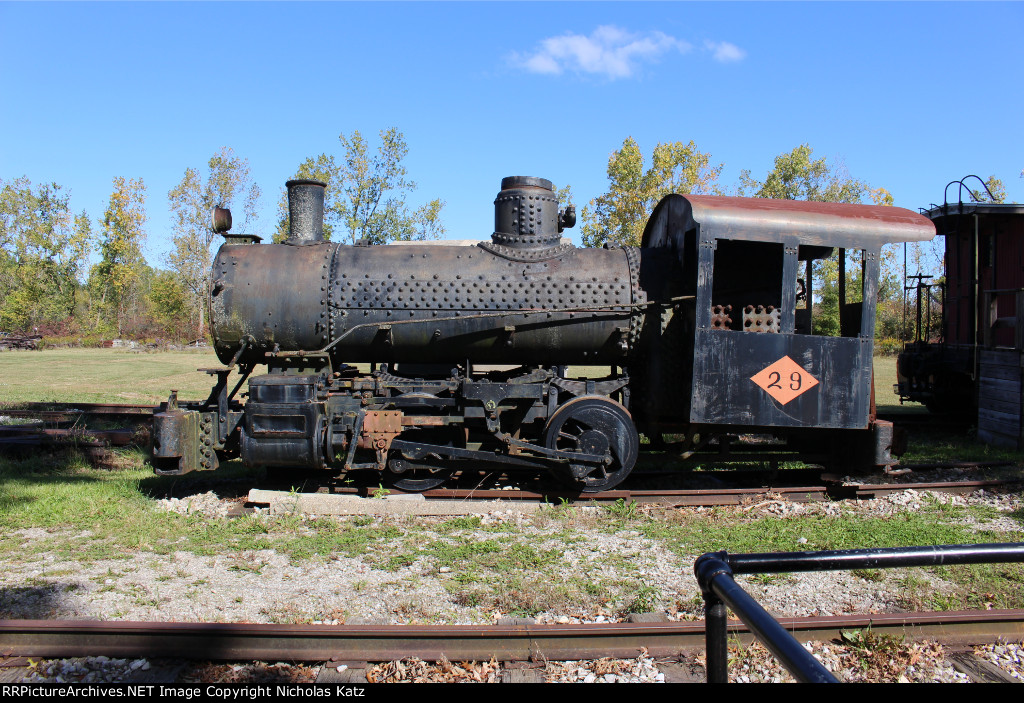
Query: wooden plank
(979, 670)
(1010, 407)
(1011, 361)
(1006, 427)
(1004, 395)
(1000, 357)
(1000, 416)
(1001, 428)
(999, 373)
(1002, 372)
(998, 384)
(1018, 333)
(986, 417)
(1009, 438)
(1011, 388)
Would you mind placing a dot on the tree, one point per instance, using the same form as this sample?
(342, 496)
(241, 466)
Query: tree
(993, 186)
(620, 214)
(564, 195)
(115, 278)
(169, 303)
(797, 177)
(228, 182)
(42, 251)
(366, 195)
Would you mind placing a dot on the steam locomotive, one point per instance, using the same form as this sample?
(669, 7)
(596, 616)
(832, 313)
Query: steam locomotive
(702, 332)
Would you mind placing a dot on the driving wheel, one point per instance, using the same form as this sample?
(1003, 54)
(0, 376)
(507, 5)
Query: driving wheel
(594, 425)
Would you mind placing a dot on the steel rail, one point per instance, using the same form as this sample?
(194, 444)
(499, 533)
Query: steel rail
(74, 409)
(21, 435)
(239, 641)
(705, 497)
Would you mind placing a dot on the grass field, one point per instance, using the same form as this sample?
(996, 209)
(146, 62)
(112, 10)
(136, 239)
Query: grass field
(104, 375)
(125, 376)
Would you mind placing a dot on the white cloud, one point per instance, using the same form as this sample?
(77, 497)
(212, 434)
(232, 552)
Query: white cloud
(609, 51)
(724, 52)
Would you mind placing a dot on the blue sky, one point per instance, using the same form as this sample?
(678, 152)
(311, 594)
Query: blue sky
(908, 95)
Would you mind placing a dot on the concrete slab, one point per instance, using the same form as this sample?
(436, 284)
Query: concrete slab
(638, 618)
(329, 674)
(683, 672)
(286, 502)
(522, 676)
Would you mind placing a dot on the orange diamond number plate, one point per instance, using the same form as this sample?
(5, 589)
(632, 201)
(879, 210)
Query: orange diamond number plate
(784, 380)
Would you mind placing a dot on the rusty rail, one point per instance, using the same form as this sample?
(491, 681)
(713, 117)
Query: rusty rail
(57, 411)
(705, 497)
(232, 641)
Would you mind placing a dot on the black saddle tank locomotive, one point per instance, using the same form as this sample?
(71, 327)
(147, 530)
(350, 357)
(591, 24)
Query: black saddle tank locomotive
(421, 359)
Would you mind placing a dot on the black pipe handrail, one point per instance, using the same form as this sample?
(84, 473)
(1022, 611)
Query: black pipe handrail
(960, 192)
(715, 571)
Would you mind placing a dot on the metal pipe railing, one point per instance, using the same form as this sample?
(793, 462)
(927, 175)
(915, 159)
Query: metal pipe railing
(715, 572)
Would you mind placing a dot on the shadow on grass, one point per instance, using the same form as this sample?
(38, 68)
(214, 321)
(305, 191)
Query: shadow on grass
(27, 478)
(30, 602)
(56, 478)
(230, 480)
(1018, 515)
(945, 444)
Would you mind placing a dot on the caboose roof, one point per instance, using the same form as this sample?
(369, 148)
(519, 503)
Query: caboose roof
(789, 221)
(937, 212)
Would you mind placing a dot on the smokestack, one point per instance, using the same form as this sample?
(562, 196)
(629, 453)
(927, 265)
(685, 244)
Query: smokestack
(305, 211)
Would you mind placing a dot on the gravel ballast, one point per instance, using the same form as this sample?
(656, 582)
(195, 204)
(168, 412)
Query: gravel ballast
(611, 571)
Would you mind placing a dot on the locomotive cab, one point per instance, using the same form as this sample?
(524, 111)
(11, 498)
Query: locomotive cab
(755, 357)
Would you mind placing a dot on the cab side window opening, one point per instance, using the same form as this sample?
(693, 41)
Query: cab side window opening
(746, 292)
(838, 294)
(751, 284)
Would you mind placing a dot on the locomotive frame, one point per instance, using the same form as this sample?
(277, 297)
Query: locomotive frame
(700, 328)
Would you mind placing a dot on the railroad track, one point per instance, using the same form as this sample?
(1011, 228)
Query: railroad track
(517, 642)
(64, 424)
(72, 411)
(681, 497)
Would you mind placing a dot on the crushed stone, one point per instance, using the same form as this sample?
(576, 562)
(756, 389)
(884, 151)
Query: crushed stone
(267, 586)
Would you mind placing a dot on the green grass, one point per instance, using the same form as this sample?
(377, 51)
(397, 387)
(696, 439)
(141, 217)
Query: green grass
(104, 375)
(885, 398)
(92, 514)
(821, 532)
(927, 446)
(974, 586)
(67, 497)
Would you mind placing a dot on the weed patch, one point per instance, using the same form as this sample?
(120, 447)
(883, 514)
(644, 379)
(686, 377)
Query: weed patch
(468, 522)
(623, 511)
(641, 599)
(878, 655)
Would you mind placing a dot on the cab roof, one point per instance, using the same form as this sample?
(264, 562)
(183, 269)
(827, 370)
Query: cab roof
(785, 221)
